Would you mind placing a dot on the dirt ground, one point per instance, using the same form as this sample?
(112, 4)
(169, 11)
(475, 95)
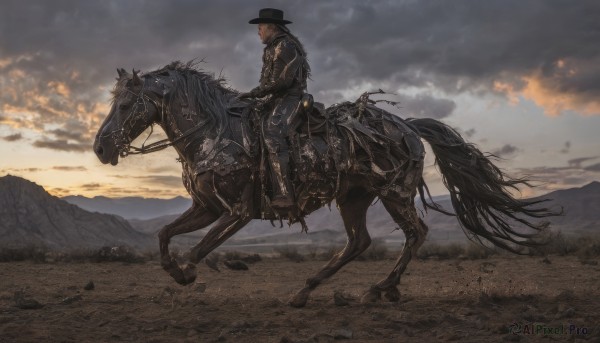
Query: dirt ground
(493, 300)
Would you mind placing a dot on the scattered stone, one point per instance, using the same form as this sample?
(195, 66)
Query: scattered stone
(451, 336)
(89, 286)
(589, 262)
(342, 334)
(200, 287)
(512, 338)
(26, 304)
(318, 338)
(487, 267)
(565, 295)
(273, 303)
(546, 260)
(70, 300)
(242, 326)
(377, 316)
(236, 265)
(339, 299)
(222, 337)
(251, 258)
(568, 313)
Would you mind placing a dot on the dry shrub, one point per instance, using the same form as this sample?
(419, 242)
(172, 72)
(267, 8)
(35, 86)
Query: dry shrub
(589, 247)
(442, 252)
(33, 253)
(556, 243)
(240, 256)
(377, 251)
(124, 254)
(329, 253)
(232, 255)
(291, 253)
(475, 251)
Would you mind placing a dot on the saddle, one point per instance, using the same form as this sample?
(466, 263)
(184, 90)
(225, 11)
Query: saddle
(351, 137)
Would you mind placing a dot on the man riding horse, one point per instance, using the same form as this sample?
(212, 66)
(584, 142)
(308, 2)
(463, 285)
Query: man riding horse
(282, 84)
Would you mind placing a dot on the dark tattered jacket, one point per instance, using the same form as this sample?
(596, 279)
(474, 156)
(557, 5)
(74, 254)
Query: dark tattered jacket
(285, 68)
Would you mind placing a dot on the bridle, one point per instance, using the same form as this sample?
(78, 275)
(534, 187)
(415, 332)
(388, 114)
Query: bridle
(121, 137)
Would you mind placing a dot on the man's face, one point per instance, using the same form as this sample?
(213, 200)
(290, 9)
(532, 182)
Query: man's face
(265, 31)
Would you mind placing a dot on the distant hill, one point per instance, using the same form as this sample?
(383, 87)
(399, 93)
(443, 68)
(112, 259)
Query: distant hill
(29, 215)
(131, 207)
(581, 206)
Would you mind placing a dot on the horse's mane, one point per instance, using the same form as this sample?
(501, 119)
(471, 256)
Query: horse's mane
(197, 90)
(192, 88)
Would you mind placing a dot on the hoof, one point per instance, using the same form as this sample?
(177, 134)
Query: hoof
(189, 273)
(392, 294)
(300, 299)
(371, 296)
(184, 276)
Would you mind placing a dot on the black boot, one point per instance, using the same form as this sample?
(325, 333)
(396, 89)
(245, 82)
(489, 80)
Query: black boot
(282, 187)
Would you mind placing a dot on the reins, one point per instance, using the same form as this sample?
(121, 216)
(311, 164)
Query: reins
(128, 149)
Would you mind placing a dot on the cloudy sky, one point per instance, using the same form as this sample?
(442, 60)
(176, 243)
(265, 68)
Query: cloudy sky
(520, 79)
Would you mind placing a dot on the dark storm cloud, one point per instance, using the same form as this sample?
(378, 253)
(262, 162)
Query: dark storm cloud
(13, 137)
(164, 180)
(576, 162)
(460, 44)
(67, 51)
(593, 167)
(424, 105)
(566, 148)
(21, 170)
(62, 145)
(547, 179)
(470, 132)
(64, 134)
(70, 168)
(506, 150)
(91, 185)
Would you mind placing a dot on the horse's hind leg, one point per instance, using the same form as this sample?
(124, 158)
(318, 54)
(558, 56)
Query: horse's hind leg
(404, 213)
(195, 218)
(354, 214)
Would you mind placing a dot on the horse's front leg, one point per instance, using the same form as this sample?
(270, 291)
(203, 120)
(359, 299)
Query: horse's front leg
(195, 218)
(227, 225)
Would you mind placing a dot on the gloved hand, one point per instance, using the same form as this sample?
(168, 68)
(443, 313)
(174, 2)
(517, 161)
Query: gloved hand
(246, 95)
(254, 93)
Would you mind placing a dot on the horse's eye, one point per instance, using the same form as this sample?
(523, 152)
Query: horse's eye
(123, 106)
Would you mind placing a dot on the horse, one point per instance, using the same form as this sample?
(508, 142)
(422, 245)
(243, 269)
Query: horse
(353, 153)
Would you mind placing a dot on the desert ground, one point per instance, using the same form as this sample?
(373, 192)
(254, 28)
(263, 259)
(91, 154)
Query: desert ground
(502, 298)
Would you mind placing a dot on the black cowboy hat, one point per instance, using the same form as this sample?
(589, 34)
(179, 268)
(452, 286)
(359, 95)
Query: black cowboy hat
(270, 16)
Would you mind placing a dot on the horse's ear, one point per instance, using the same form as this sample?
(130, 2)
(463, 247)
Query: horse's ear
(121, 72)
(136, 79)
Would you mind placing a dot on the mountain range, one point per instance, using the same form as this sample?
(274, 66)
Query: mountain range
(31, 216)
(131, 207)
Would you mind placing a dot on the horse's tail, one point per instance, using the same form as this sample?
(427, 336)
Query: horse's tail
(479, 190)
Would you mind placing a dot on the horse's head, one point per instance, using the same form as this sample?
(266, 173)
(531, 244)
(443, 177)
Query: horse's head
(133, 110)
